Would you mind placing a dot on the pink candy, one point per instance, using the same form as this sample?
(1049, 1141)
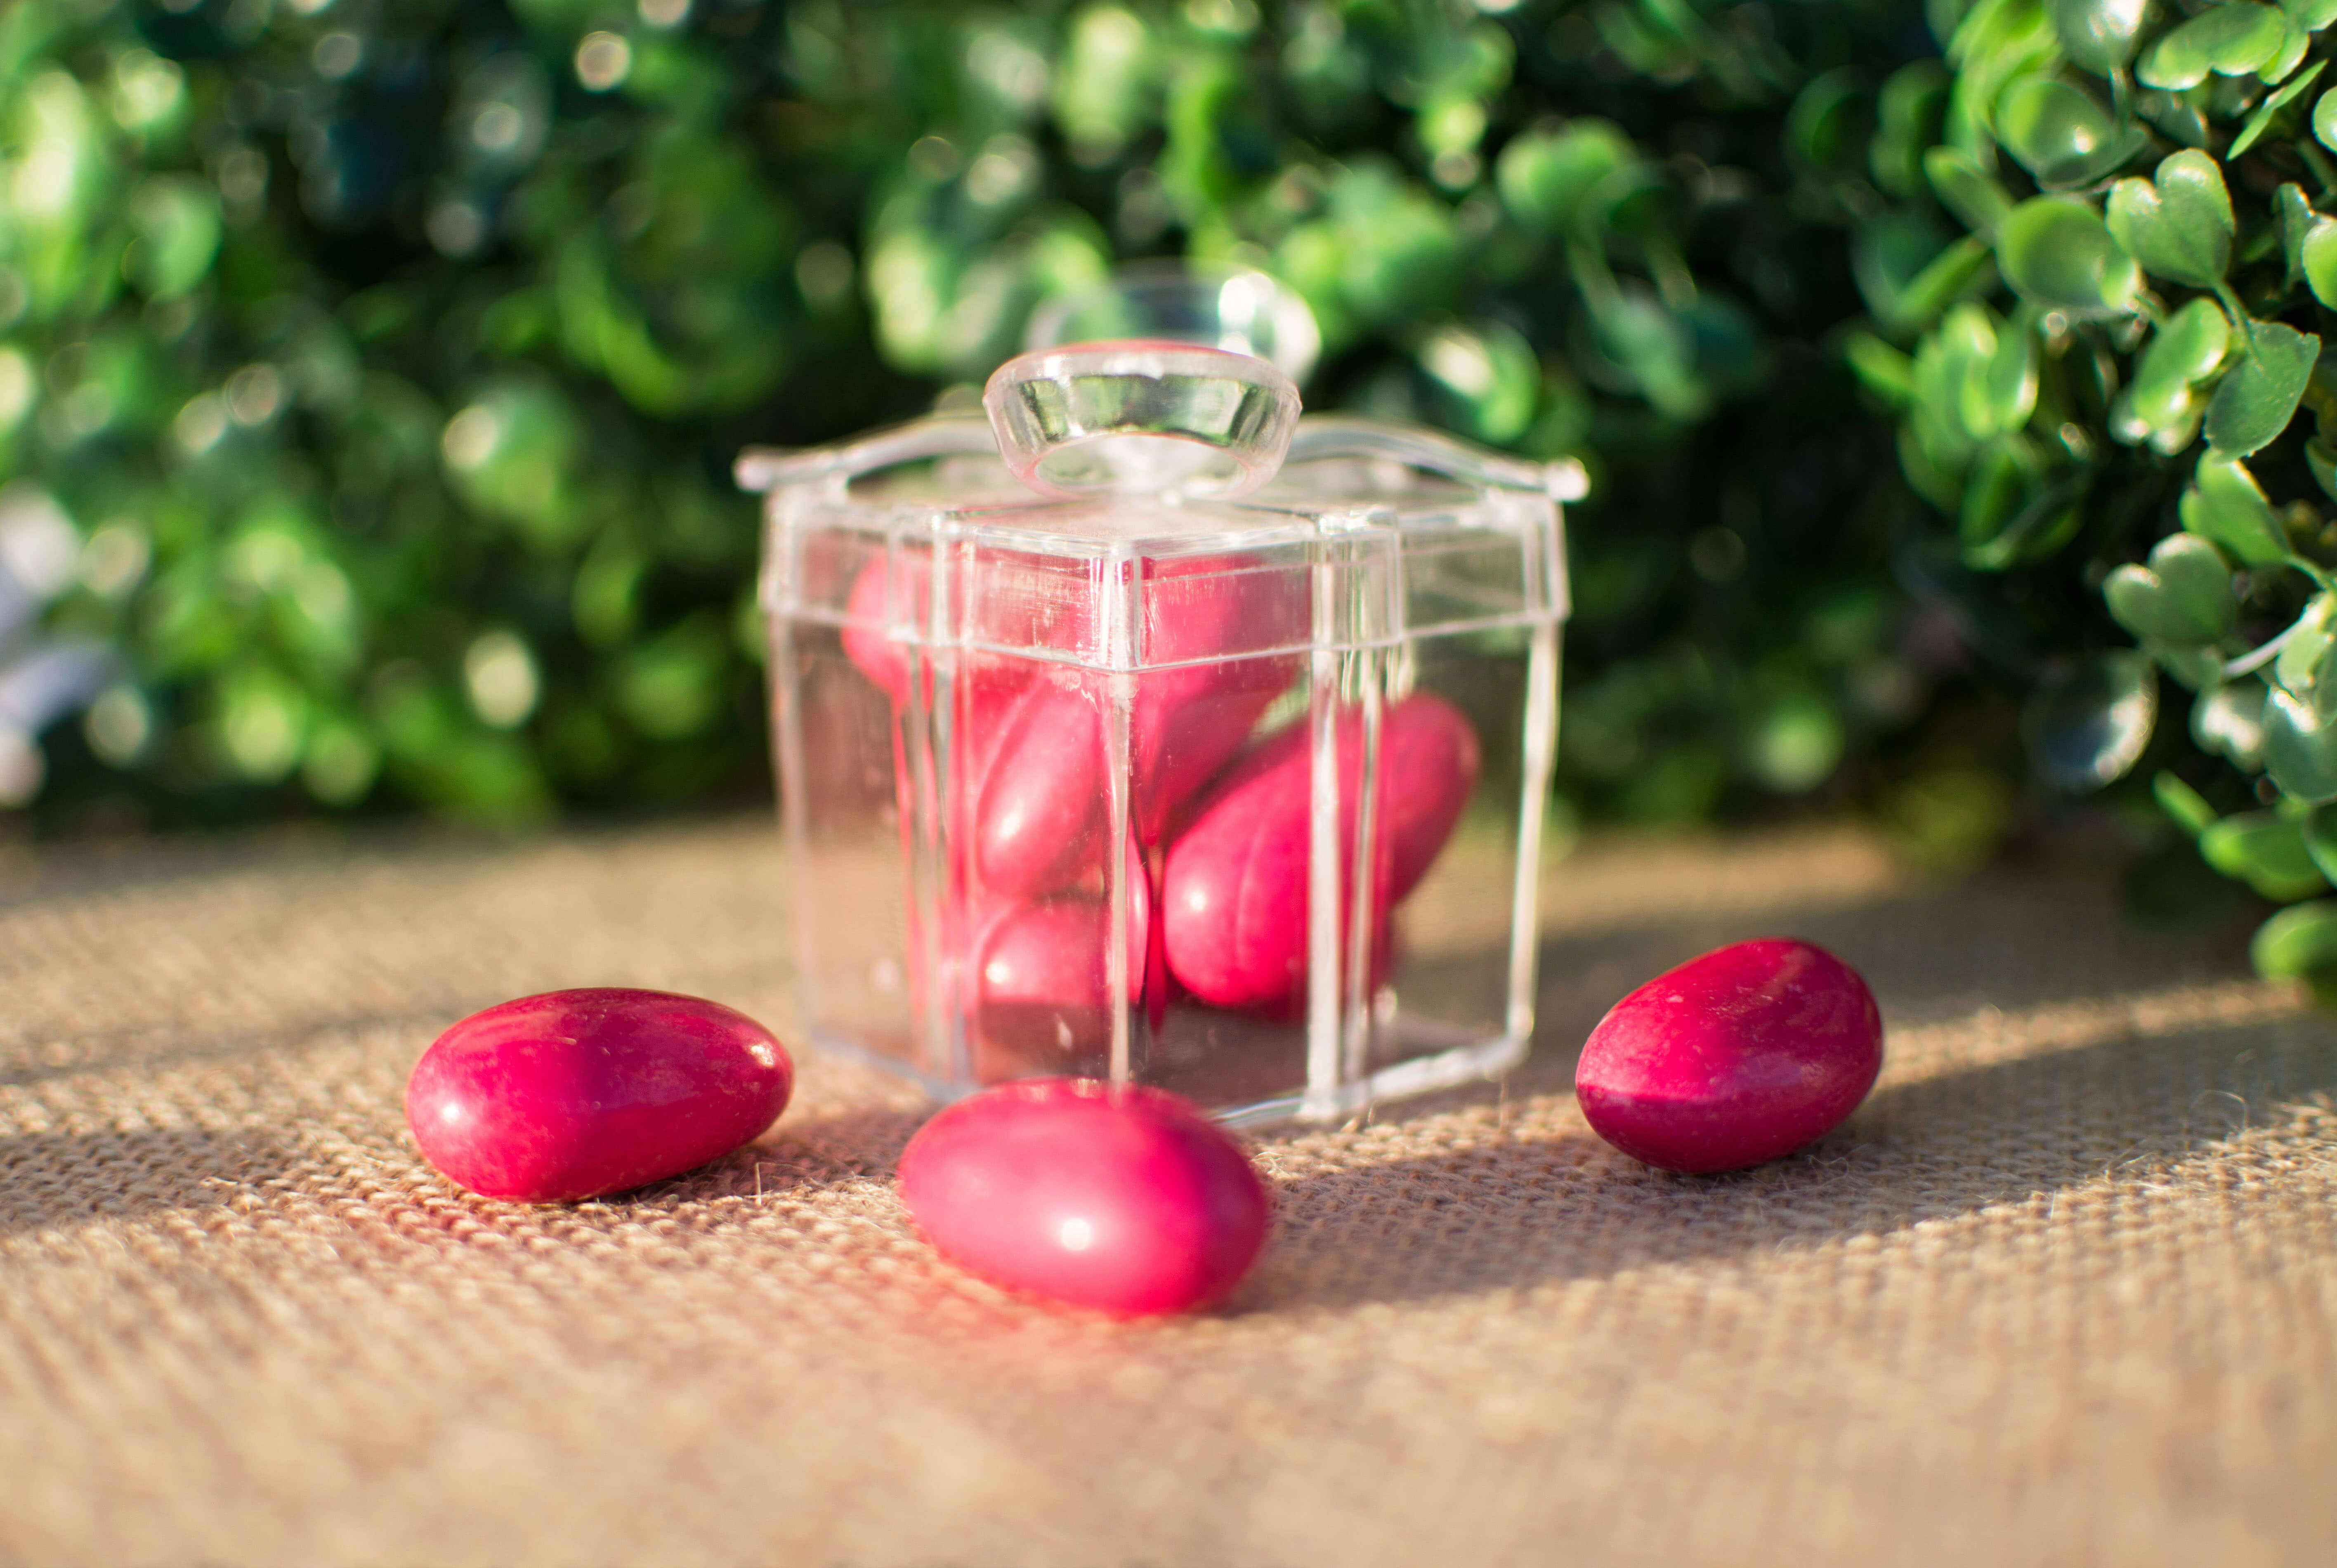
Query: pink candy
(1211, 626)
(1042, 983)
(1196, 708)
(879, 657)
(1042, 792)
(1127, 1200)
(1030, 791)
(573, 1093)
(1738, 1057)
(1234, 893)
(1043, 814)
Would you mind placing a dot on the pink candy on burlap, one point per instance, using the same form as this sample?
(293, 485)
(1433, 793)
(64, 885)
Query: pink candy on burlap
(575, 1094)
(1123, 1200)
(1738, 1057)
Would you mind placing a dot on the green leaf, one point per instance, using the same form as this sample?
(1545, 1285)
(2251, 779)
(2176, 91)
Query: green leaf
(2265, 850)
(2324, 464)
(2318, 258)
(2321, 839)
(2007, 390)
(2188, 347)
(2195, 669)
(2260, 393)
(2324, 121)
(1995, 370)
(2300, 748)
(2178, 225)
(1909, 276)
(1963, 267)
(2183, 597)
(2169, 424)
(1821, 136)
(1543, 176)
(1484, 379)
(2058, 254)
(2310, 242)
(1935, 472)
(2260, 121)
(2182, 120)
(2012, 513)
(2296, 219)
(2000, 482)
(2303, 665)
(2161, 405)
(2187, 807)
(2230, 720)
(2297, 942)
(2224, 505)
(2227, 40)
(178, 228)
(2294, 42)
(2098, 35)
(1880, 369)
(2047, 520)
(2086, 725)
(1651, 350)
(1941, 365)
(1966, 189)
(1907, 114)
(1995, 42)
(2059, 133)
(2312, 15)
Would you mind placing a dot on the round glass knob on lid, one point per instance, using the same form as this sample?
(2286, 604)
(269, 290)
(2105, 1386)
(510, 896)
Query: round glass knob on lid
(1196, 399)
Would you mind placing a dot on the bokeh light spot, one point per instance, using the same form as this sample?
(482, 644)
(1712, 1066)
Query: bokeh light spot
(603, 61)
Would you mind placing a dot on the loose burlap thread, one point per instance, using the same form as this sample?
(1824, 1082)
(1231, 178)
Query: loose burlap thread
(2061, 1293)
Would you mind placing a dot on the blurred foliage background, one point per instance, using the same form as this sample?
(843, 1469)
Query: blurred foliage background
(370, 370)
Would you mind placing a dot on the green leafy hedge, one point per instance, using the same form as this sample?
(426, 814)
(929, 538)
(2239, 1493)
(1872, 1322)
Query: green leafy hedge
(372, 367)
(2101, 313)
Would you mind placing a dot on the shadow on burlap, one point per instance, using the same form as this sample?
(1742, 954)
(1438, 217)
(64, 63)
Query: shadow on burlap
(2062, 1292)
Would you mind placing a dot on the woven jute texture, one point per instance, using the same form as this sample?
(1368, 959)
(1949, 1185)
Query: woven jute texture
(2062, 1292)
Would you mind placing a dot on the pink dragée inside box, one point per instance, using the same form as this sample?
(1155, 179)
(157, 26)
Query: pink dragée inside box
(1147, 730)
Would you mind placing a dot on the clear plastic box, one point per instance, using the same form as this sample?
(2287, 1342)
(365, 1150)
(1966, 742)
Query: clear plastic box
(1082, 746)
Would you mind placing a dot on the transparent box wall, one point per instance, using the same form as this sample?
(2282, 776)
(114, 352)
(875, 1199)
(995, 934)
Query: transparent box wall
(1240, 799)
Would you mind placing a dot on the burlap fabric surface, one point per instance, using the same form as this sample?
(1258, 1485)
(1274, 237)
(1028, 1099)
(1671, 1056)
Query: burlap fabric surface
(2062, 1292)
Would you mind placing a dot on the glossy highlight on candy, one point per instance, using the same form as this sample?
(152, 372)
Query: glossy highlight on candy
(1733, 1059)
(1121, 1199)
(572, 1095)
